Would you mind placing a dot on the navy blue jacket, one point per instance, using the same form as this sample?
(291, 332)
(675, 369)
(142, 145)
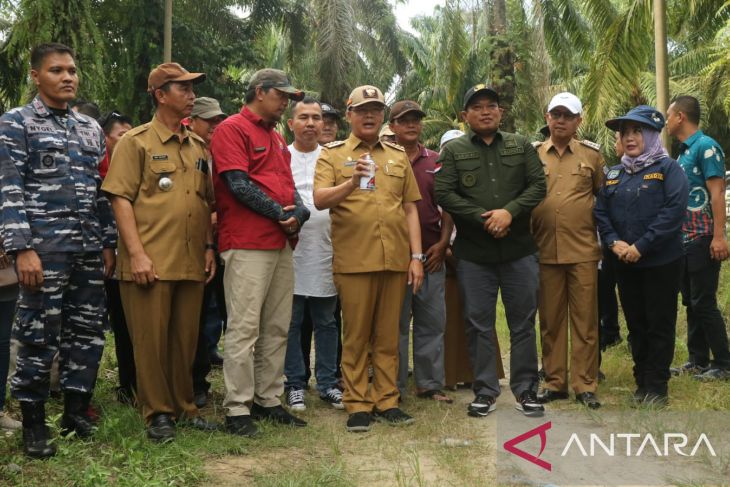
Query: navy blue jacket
(645, 209)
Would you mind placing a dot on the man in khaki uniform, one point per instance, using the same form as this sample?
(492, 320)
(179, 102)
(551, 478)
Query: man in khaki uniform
(371, 235)
(565, 233)
(162, 196)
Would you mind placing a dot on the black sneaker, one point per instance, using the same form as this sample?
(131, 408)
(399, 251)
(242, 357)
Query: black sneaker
(333, 396)
(199, 423)
(276, 414)
(481, 406)
(528, 404)
(241, 425)
(549, 395)
(359, 422)
(295, 399)
(394, 417)
(688, 368)
(161, 428)
(713, 374)
(588, 399)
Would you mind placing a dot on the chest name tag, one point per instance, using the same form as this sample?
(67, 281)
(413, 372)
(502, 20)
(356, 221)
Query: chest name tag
(159, 157)
(259, 149)
(512, 151)
(37, 128)
(466, 155)
(655, 175)
(349, 163)
(612, 181)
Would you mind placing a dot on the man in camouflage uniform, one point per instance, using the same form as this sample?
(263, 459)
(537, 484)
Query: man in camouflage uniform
(55, 221)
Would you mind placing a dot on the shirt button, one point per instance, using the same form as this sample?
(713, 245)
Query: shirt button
(493, 180)
(560, 175)
(557, 211)
(558, 192)
(187, 191)
(496, 196)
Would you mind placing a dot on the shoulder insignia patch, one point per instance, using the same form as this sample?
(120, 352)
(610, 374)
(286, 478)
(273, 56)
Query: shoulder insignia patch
(655, 175)
(334, 143)
(394, 145)
(590, 144)
(140, 129)
(613, 174)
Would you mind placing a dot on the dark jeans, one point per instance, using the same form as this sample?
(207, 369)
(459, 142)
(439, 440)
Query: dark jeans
(649, 300)
(307, 330)
(7, 311)
(210, 325)
(479, 284)
(122, 342)
(705, 326)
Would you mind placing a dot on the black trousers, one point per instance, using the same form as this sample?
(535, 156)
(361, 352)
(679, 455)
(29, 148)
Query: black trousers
(649, 300)
(201, 363)
(122, 342)
(607, 302)
(706, 330)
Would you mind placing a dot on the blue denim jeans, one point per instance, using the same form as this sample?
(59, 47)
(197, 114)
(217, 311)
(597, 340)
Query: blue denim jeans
(7, 311)
(322, 312)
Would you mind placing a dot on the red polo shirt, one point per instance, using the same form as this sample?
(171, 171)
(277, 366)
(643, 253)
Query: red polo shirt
(246, 143)
(424, 168)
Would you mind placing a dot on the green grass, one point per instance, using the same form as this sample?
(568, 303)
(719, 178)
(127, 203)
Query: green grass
(323, 453)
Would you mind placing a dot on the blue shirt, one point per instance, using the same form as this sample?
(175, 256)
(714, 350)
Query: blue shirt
(645, 209)
(701, 158)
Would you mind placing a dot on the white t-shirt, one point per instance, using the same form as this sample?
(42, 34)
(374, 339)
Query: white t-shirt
(313, 255)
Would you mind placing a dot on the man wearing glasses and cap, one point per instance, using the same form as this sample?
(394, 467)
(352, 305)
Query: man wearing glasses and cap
(260, 214)
(330, 118)
(489, 183)
(376, 240)
(162, 196)
(565, 233)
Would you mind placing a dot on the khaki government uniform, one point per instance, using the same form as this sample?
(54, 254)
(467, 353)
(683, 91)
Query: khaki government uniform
(565, 233)
(172, 225)
(370, 264)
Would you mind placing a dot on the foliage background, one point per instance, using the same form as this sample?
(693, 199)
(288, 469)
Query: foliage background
(601, 50)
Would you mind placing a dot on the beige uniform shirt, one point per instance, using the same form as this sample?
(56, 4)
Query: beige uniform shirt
(563, 224)
(171, 224)
(369, 231)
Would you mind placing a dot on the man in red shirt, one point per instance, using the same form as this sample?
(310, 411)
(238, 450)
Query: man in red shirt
(259, 217)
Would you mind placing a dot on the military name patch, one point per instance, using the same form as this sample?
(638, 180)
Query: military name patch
(259, 149)
(512, 151)
(349, 163)
(466, 155)
(38, 128)
(159, 157)
(655, 175)
(613, 174)
(612, 181)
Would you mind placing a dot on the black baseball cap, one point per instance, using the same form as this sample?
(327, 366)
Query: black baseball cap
(477, 89)
(329, 111)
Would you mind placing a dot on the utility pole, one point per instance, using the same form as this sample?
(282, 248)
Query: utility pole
(660, 58)
(167, 43)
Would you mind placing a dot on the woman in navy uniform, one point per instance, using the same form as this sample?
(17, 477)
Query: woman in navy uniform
(639, 213)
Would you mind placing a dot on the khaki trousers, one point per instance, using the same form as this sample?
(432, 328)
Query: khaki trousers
(163, 326)
(259, 286)
(371, 305)
(569, 290)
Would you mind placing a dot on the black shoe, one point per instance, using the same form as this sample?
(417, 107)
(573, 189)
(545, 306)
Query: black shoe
(713, 374)
(359, 422)
(36, 438)
(161, 428)
(481, 406)
(638, 397)
(241, 425)
(548, 395)
(394, 417)
(199, 423)
(276, 414)
(601, 376)
(216, 360)
(75, 419)
(688, 368)
(125, 395)
(655, 400)
(527, 403)
(588, 399)
(200, 399)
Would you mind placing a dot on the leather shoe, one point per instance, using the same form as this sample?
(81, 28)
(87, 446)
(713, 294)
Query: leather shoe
(241, 425)
(588, 399)
(548, 395)
(199, 423)
(161, 428)
(200, 399)
(277, 414)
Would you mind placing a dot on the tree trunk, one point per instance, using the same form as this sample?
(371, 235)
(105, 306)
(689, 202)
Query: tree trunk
(502, 57)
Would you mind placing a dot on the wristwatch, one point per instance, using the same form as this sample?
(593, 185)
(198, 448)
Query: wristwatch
(420, 257)
(610, 246)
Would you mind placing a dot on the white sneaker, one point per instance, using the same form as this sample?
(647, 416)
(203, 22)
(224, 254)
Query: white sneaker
(295, 399)
(333, 396)
(8, 423)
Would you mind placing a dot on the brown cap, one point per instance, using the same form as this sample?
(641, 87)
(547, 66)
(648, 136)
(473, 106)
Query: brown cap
(167, 72)
(365, 94)
(275, 78)
(206, 108)
(405, 106)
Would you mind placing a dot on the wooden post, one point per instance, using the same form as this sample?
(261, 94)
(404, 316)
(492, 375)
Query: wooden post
(167, 46)
(660, 57)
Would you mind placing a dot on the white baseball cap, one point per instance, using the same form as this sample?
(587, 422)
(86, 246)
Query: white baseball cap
(567, 100)
(450, 135)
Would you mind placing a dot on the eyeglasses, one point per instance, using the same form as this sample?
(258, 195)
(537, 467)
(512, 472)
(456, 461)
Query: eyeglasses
(564, 115)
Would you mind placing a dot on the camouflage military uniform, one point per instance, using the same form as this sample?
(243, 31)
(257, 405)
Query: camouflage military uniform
(51, 202)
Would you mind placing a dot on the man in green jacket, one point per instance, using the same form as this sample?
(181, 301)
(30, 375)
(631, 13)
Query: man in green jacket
(489, 182)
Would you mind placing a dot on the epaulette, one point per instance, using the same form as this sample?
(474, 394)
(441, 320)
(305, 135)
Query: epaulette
(537, 144)
(139, 129)
(590, 144)
(394, 145)
(334, 143)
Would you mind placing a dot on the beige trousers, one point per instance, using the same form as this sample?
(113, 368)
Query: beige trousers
(259, 286)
